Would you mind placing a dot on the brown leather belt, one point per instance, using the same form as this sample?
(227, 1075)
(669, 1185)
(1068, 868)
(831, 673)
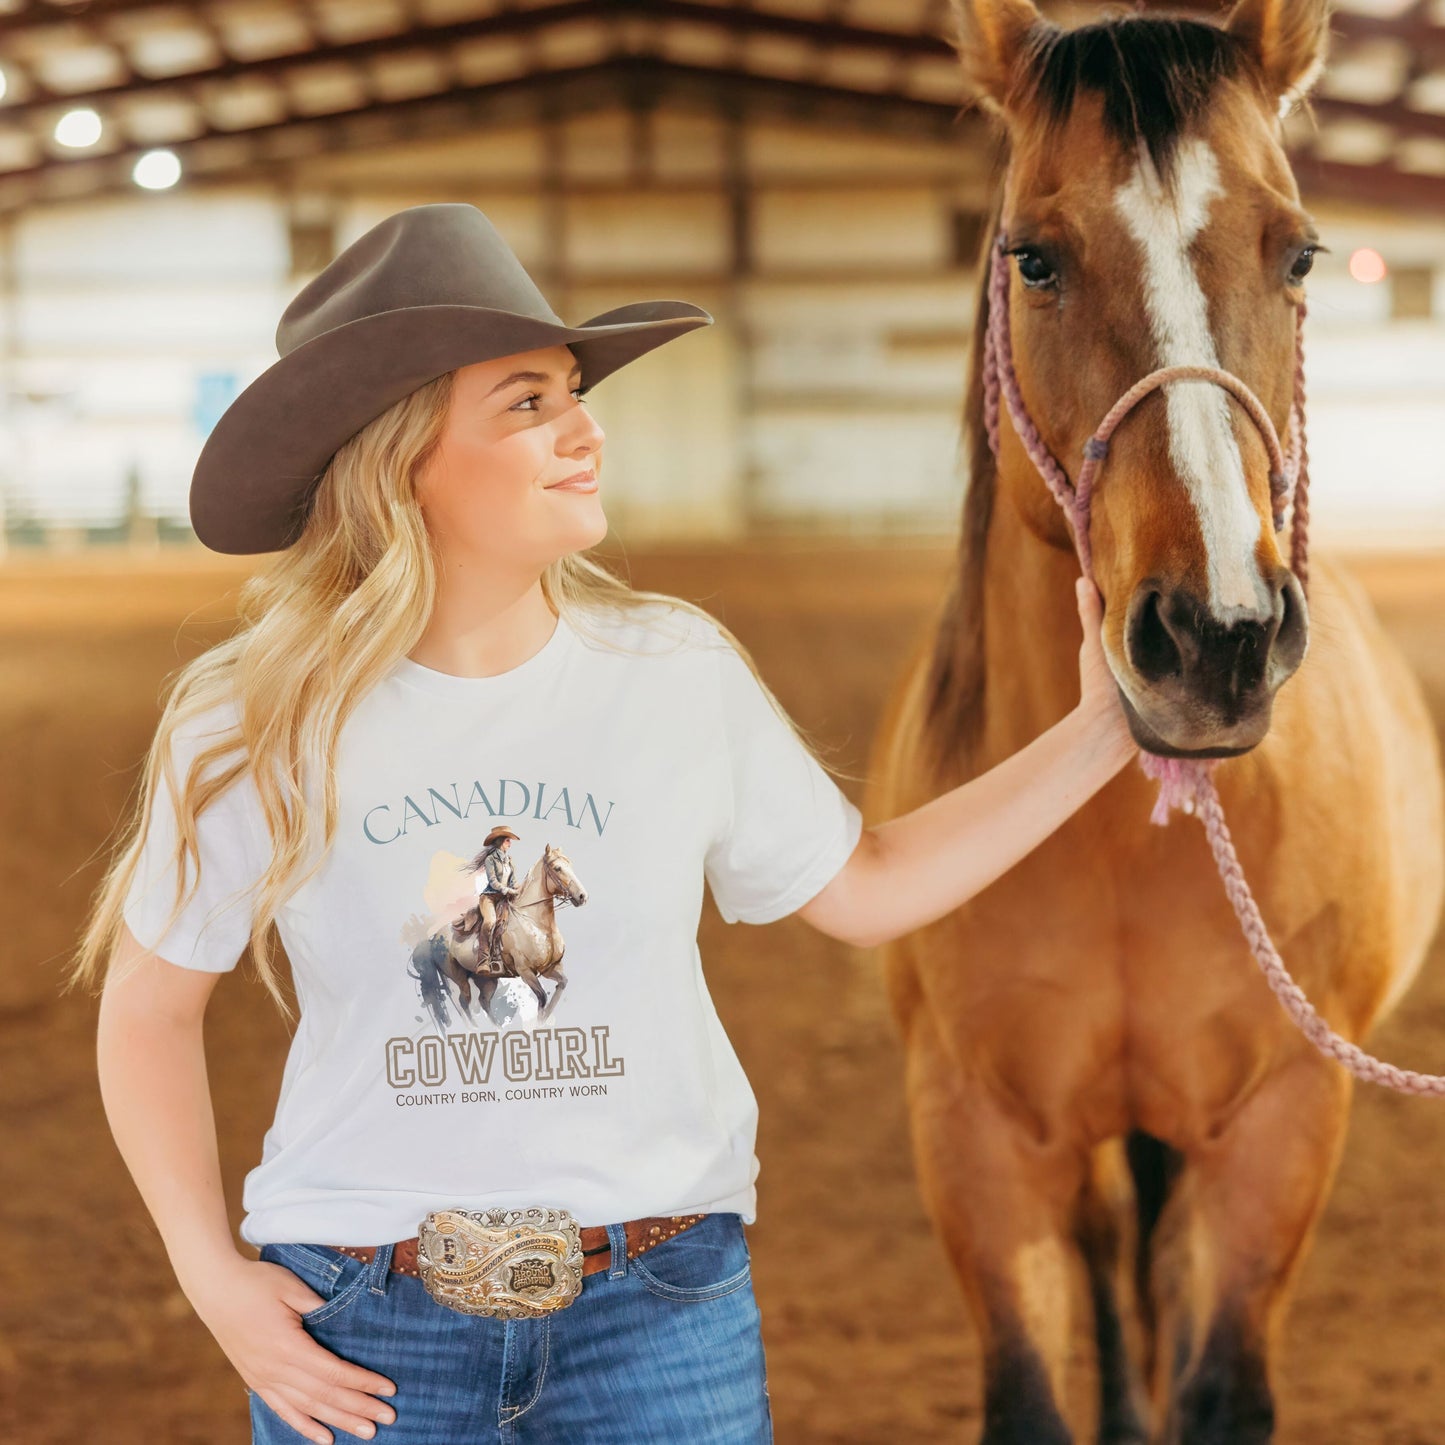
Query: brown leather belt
(642, 1235)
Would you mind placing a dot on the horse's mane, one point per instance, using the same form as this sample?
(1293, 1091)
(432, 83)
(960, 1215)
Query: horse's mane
(953, 701)
(1155, 74)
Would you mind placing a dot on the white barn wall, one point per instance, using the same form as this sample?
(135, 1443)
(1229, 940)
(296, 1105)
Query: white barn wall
(805, 231)
(673, 462)
(119, 305)
(827, 394)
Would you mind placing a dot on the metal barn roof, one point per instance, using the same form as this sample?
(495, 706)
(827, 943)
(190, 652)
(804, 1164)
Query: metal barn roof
(240, 88)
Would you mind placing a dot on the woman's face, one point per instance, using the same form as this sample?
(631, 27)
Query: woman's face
(512, 483)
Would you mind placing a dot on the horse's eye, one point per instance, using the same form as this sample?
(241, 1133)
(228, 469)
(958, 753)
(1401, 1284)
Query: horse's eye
(1033, 269)
(1302, 263)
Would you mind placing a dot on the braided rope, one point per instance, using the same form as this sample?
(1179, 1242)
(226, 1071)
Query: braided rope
(1188, 783)
(1361, 1064)
(999, 363)
(990, 382)
(1300, 469)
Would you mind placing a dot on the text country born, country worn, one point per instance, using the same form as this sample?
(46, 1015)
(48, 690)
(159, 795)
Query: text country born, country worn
(546, 1092)
(520, 1055)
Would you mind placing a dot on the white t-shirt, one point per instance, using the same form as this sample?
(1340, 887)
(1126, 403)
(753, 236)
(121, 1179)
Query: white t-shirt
(649, 773)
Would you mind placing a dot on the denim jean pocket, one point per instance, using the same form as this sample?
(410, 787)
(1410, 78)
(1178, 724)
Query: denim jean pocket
(707, 1260)
(337, 1277)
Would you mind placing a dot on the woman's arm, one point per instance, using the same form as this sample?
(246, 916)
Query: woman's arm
(910, 870)
(152, 1062)
(152, 1065)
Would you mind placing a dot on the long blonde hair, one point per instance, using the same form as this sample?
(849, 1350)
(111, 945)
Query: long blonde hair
(320, 625)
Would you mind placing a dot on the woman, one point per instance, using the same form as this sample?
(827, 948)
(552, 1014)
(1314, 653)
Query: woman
(496, 883)
(468, 1227)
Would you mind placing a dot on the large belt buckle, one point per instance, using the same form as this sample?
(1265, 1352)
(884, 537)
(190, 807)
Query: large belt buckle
(507, 1263)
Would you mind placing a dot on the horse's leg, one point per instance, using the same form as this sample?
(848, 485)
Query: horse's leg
(428, 960)
(464, 992)
(1254, 1197)
(1001, 1199)
(461, 978)
(1102, 1211)
(486, 988)
(560, 979)
(528, 977)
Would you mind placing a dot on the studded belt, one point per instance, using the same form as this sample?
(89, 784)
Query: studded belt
(513, 1263)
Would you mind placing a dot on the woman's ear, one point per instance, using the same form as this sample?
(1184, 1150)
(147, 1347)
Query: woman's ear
(1288, 39)
(990, 37)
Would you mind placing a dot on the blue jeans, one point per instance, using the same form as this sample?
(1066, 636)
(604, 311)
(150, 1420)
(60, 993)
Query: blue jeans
(664, 1348)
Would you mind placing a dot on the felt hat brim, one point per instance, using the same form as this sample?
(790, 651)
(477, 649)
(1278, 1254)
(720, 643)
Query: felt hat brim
(253, 482)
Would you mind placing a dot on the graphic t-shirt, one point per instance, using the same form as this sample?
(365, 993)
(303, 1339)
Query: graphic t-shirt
(593, 1073)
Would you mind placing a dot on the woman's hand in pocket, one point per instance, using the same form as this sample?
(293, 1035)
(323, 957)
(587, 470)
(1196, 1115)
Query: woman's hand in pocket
(253, 1308)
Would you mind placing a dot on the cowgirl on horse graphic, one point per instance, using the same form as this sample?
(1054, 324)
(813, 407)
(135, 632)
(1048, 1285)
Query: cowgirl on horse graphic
(496, 887)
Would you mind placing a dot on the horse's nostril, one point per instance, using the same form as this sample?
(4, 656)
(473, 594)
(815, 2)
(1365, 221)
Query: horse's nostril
(1291, 638)
(1151, 647)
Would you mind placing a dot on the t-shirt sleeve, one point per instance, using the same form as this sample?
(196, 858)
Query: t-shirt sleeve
(791, 827)
(212, 930)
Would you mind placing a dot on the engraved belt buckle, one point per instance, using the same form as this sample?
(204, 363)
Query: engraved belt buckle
(507, 1263)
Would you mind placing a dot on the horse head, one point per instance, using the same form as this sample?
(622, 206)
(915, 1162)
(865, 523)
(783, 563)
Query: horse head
(1153, 220)
(557, 868)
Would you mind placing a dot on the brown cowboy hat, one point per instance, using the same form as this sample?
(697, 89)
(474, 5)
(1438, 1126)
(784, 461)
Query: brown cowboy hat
(500, 831)
(425, 291)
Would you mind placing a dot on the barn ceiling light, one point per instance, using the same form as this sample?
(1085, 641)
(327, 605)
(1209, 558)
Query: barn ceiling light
(157, 170)
(78, 128)
(1367, 266)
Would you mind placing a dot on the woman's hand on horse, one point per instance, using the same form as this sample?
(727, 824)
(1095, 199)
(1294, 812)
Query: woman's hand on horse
(253, 1309)
(1098, 692)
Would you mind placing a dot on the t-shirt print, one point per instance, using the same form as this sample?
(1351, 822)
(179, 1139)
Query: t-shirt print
(526, 965)
(486, 969)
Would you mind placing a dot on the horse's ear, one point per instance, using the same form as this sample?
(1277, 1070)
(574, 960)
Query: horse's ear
(1288, 39)
(990, 37)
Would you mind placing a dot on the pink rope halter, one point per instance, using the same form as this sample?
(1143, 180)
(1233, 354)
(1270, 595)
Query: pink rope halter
(1186, 783)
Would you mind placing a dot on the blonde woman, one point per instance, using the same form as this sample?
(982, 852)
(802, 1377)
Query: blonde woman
(472, 1230)
(496, 884)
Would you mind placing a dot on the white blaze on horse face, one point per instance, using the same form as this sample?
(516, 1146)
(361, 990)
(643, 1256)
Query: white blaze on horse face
(1202, 444)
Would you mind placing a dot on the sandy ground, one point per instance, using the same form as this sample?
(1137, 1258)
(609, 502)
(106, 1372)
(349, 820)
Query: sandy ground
(867, 1338)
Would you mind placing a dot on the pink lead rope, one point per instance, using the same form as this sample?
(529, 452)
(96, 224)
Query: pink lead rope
(1188, 784)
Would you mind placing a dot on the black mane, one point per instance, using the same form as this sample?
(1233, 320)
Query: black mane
(1155, 74)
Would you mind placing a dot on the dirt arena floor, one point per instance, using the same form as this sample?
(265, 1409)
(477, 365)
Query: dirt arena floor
(866, 1335)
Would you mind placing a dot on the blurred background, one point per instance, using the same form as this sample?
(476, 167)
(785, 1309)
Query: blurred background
(171, 175)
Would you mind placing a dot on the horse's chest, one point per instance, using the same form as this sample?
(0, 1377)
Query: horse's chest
(1132, 1001)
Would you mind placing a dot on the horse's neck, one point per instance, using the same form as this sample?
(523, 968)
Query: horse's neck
(1032, 631)
(533, 884)
(534, 890)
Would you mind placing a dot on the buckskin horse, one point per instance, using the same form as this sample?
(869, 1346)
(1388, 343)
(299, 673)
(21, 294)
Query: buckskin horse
(1096, 1072)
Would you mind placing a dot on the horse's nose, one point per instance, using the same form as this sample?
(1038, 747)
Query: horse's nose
(1170, 636)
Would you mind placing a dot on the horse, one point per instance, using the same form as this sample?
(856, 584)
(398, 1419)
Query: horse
(532, 945)
(1098, 1080)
